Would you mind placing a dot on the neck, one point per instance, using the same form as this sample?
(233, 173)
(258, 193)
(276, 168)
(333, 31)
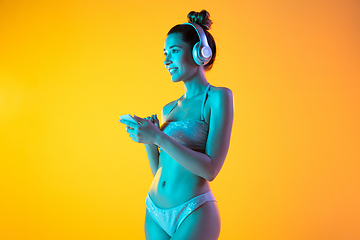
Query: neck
(195, 86)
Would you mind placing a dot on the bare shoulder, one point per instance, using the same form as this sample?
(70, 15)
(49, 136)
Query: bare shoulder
(220, 95)
(167, 107)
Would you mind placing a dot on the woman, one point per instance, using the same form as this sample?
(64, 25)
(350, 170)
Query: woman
(189, 149)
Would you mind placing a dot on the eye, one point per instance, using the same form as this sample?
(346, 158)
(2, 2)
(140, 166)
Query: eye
(174, 51)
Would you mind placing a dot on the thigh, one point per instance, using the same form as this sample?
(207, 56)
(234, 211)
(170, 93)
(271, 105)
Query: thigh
(152, 230)
(202, 224)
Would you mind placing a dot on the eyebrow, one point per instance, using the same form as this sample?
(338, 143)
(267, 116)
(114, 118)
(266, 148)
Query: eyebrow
(173, 47)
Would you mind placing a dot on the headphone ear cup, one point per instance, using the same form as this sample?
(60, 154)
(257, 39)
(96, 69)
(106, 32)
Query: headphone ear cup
(196, 54)
(201, 56)
(206, 53)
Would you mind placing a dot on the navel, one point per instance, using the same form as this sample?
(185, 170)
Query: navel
(163, 184)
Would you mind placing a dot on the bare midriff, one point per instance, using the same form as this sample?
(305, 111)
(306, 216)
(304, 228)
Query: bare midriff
(174, 185)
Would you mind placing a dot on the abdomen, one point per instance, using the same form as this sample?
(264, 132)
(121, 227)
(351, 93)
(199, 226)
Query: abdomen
(174, 185)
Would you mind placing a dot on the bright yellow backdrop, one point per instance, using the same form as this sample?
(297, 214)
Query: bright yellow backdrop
(69, 68)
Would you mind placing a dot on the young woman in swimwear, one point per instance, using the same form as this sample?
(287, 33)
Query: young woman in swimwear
(189, 149)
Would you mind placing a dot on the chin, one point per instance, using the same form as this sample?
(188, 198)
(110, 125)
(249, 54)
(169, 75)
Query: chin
(175, 79)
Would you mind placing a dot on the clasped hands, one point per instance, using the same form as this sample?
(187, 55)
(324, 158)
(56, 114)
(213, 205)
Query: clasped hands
(145, 131)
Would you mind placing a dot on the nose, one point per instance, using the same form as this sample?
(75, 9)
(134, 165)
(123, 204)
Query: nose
(167, 60)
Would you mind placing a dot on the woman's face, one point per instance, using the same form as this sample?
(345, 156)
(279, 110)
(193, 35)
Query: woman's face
(178, 58)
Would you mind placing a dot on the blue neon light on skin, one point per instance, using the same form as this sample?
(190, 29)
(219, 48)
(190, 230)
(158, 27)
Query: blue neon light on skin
(180, 173)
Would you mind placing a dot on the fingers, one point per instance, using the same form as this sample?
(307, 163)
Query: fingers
(132, 128)
(129, 130)
(135, 139)
(156, 121)
(139, 119)
(132, 134)
(153, 118)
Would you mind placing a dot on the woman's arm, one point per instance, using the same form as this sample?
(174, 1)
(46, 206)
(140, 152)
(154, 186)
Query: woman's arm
(152, 152)
(204, 165)
(221, 119)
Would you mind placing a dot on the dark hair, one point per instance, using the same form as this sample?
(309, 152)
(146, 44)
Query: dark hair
(190, 36)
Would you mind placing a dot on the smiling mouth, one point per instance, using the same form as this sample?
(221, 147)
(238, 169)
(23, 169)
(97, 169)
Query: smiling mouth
(173, 70)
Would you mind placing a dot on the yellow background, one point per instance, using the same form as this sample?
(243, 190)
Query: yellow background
(70, 68)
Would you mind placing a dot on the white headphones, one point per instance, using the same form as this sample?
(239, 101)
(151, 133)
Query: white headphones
(201, 51)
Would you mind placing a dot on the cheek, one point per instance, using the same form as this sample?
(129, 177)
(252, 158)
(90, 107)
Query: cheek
(188, 60)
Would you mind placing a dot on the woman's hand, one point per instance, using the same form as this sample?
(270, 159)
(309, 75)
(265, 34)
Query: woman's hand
(154, 120)
(145, 131)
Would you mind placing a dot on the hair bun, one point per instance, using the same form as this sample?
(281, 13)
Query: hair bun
(202, 18)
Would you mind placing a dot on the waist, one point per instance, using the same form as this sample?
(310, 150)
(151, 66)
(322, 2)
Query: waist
(173, 186)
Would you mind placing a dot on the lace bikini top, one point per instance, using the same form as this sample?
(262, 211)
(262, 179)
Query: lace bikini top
(191, 133)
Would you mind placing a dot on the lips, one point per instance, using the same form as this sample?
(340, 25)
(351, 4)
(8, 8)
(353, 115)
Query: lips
(172, 70)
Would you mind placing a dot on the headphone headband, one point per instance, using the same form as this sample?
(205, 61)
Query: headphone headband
(200, 32)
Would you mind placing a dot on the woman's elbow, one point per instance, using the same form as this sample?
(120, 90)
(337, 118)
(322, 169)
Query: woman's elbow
(211, 175)
(213, 170)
